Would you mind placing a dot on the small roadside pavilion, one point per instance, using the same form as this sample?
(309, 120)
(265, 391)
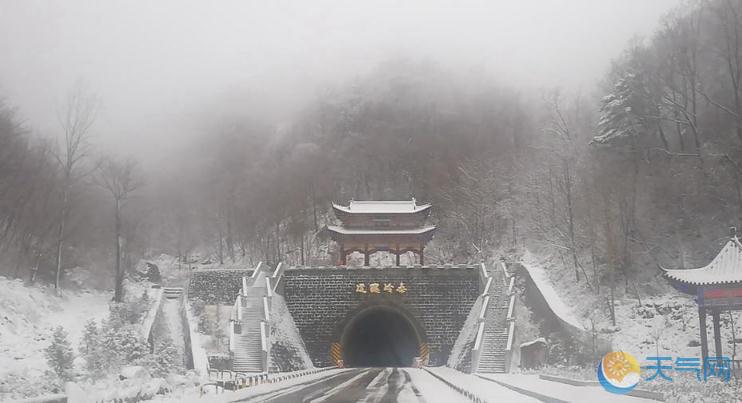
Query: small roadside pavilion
(717, 287)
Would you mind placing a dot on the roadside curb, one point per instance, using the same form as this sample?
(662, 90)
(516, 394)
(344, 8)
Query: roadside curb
(535, 395)
(469, 395)
(646, 394)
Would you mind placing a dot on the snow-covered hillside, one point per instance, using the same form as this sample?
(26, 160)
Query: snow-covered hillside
(28, 316)
(667, 320)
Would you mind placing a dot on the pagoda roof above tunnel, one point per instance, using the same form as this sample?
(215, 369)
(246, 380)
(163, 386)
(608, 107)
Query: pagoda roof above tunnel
(381, 207)
(380, 231)
(725, 268)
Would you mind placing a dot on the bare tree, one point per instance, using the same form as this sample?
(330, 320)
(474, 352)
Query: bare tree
(473, 205)
(76, 120)
(565, 153)
(120, 179)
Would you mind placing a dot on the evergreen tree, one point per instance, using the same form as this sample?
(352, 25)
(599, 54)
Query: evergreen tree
(91, 349)
(165, 358)
(622, 112)
(59, 354)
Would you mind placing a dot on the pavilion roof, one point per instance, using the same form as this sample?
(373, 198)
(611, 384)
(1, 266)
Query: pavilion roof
(381, 207)
(385, 231)
(725, 268)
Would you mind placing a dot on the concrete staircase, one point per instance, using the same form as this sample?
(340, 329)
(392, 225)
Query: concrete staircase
(172, 292)
(493, 356)
(248, 352)
(494, 341)
(248, 348)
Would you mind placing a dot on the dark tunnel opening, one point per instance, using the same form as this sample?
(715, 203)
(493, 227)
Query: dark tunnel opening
(380, 338)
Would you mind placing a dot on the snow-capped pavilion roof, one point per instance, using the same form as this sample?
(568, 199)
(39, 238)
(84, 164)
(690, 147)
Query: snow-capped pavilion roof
(382, 207)
(383, 231)
(725, 268)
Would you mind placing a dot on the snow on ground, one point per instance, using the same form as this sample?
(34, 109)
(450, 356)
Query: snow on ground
(487, 390)
(192, 395)
(541, 279)
(466, 336)
(284, 331)
(562, 391)
(171, 313)
(28, 316)
(671, 317)
(432, 389)
(674, 318)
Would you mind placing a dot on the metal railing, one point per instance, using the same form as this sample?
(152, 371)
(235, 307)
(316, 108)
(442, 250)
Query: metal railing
(268, 288)
(257, 270)
(510, 319)
(509, 284)
(486, 282)
(278, 275)
(483, 311)
(266, 309)
(483, 276)
(476, 352)
(487, 286)
(264, 345)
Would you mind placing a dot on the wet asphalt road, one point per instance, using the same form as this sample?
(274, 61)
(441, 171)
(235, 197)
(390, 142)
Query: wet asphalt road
(366, 385)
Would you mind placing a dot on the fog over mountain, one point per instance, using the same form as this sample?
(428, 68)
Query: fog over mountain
(152, 64)
(424, 200)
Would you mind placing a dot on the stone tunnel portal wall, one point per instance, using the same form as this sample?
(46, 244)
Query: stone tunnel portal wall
(322, 301)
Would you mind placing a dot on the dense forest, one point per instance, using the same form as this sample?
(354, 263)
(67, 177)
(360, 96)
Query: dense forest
(643, 171)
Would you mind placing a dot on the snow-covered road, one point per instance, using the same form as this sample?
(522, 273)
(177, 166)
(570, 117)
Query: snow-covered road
(562, 391)
(374, 385)
(405, 385)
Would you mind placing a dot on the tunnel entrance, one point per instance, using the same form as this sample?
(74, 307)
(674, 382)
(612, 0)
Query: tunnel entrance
(380, 337)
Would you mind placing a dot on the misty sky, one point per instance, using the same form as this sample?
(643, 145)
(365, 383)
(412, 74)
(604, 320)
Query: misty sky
(152, 63)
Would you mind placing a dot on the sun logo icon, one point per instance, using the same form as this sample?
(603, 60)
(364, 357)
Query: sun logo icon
(618, 372)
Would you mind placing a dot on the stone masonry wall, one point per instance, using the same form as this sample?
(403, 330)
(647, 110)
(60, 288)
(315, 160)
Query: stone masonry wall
(323, 300)
(216, 286)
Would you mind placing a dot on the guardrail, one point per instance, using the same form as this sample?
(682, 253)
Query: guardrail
(232, 380)
(312, 371)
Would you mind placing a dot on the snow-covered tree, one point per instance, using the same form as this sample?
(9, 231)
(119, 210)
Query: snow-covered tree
(59, 354)
(623, 110)
(165, 358)
(91, 349)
